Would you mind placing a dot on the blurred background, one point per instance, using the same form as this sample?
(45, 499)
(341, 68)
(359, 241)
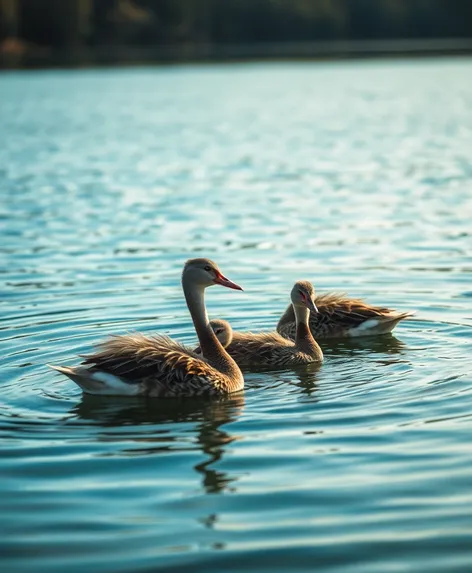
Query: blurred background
(81, 32)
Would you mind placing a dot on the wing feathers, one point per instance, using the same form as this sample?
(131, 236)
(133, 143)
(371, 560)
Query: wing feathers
(135, 357)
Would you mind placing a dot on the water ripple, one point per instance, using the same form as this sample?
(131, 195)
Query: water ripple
(354, 175)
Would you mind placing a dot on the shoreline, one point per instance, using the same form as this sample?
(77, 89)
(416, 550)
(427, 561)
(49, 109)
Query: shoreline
(34, 57)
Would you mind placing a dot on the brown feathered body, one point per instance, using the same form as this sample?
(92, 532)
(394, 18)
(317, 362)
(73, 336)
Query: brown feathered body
(154, 366)
(340, 316)
(271, 349)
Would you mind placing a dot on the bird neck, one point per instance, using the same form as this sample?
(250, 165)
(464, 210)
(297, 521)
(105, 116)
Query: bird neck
(195, 298)
(211, 347)
(304, 340)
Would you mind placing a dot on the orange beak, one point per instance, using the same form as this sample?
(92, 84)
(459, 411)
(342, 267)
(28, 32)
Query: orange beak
(223, 281)
(312, 306)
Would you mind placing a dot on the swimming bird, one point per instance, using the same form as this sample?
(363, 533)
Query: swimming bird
(157, 366)
(339, 316)
(270, 348)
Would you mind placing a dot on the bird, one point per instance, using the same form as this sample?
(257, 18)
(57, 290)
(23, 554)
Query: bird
(270, 348)
(339, 316)
(223, 331)
(157, 366)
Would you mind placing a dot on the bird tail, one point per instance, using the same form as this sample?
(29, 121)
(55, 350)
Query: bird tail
(395, 317)
(387, 323)
(98, 383)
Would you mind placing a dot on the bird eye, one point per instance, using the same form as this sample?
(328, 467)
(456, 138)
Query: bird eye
(207, 268)
(302, 294)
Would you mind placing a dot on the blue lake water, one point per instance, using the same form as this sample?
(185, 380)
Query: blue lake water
(355, 175)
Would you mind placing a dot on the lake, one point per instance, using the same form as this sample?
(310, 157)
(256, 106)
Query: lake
(355, 175)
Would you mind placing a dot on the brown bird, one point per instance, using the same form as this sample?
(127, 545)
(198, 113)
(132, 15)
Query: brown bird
(157, 366)
(339, 316)
(270, 348)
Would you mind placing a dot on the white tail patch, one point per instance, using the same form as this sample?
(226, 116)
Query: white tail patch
(114, 385)
(379, 325)
(369, 324)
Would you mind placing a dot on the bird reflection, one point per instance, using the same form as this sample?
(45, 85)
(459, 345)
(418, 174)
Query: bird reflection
(120, 417)
(385, 344)
(302, 377)
(308, 377)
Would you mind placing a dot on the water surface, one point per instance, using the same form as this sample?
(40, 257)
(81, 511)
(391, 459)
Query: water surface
(355, 175)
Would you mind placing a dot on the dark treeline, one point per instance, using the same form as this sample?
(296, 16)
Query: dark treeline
(90, 24)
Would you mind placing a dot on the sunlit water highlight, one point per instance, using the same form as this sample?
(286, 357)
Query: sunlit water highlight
(355, 175)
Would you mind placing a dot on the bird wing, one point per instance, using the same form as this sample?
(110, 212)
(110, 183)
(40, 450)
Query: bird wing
(155, 360)
(350, 312)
